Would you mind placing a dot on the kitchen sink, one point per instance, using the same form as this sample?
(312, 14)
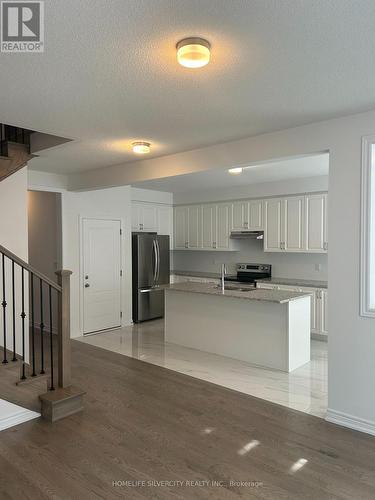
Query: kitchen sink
(237, 289)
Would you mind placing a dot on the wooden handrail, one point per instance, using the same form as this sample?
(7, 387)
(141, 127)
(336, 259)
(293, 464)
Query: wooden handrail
(29, 268)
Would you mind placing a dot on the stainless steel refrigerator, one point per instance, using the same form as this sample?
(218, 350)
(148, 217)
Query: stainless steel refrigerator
(150, 262)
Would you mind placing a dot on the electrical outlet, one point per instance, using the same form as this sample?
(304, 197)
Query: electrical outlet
(318, 267)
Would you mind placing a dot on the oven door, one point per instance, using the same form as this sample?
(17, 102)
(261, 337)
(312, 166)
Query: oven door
(251, 277)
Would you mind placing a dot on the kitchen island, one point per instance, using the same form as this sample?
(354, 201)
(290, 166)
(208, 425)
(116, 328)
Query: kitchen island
(267, 328)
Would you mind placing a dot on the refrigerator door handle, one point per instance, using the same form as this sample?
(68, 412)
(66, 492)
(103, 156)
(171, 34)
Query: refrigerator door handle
(158, 267)
(148, 290)
(155, 262)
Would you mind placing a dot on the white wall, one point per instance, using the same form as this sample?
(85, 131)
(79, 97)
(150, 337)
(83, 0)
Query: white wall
(151, 196)
(106, 203)
(301, 266)
(14, 237)
(44, 219)
(289, 186)
(13, 213)
(351, 337)
(46, 180)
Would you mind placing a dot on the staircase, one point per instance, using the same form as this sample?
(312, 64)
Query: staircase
(14, 149)
(35, 364)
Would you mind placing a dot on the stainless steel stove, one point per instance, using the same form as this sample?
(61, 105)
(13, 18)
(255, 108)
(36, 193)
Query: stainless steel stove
(249, 273)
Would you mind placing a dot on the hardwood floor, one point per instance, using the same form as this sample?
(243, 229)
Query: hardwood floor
(146, 423)
(304, 389)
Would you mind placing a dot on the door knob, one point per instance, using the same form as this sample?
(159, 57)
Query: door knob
(87, 285)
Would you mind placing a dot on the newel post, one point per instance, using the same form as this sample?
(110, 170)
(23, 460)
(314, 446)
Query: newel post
(64, 354)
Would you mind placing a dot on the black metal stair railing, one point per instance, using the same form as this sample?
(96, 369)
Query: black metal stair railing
(26, 295)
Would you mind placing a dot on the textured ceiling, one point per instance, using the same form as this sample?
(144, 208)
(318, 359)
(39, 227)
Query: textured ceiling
(109, 74)
(310, 166)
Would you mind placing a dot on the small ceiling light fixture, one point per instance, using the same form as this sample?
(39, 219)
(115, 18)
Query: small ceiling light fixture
(141, 147)
(235, 171)
(193, 52)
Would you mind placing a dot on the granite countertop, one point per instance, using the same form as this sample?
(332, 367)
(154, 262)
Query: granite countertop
(198, 274)
(295, 282)
(276, 296)
(273, 281)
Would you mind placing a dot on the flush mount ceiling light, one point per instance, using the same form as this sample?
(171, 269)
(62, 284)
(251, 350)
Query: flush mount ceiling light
(193, 52)
(235, 171)
(141, 147)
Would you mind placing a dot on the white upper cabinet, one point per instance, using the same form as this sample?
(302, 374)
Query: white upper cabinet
(165, 222)
(273, 209)
(240, 215)
(181, 219)
(144, 216)
(247, 215)
(292, 234)
(290, 223)
(149, 217)
(316, 223)
(136, 216)
(209, 227)
(296, 224)
(256, 215)
(194, 232)
(152, 217)
(224, 222)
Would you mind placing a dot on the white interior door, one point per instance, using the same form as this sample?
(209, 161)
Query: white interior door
(101, 274)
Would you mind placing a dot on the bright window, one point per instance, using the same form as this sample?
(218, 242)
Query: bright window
(368, 228)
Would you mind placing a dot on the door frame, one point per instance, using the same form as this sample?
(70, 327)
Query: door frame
(82, 218)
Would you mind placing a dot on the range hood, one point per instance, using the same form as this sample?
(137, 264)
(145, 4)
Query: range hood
(255, 235)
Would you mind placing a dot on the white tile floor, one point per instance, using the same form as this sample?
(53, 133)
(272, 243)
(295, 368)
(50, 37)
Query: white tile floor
(304, 389)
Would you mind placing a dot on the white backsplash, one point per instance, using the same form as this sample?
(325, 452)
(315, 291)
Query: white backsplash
(284, 265)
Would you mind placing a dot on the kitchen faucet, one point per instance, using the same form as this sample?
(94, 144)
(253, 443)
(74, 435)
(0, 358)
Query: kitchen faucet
(222, 279)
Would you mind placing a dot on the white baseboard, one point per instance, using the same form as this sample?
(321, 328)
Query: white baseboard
(15, 415)
(346, 420)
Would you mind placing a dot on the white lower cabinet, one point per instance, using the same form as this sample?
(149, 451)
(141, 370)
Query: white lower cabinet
(319, 301)
(323, 312)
